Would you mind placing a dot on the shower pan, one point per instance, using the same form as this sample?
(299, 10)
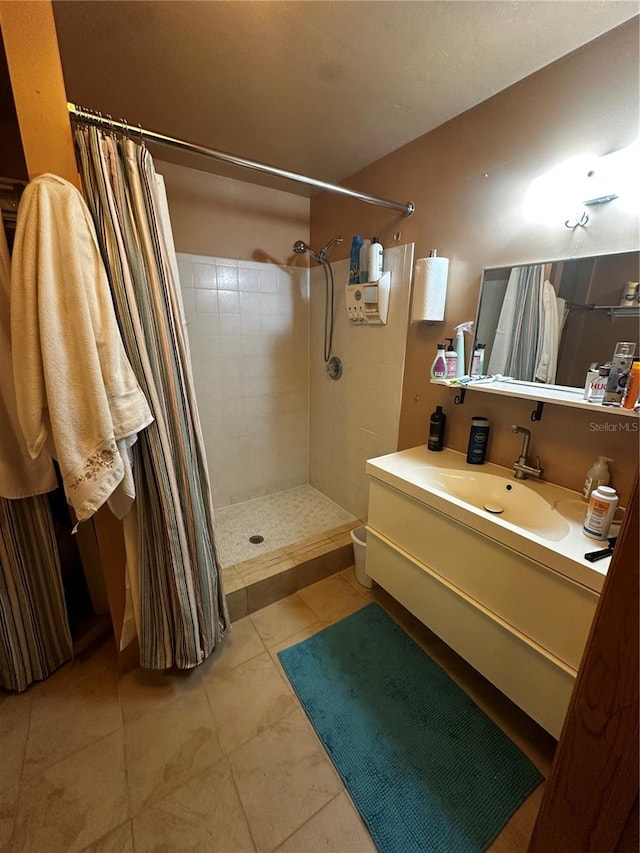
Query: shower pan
(249, 337)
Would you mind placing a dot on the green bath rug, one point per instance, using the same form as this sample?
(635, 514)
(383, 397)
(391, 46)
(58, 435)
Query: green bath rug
(426, 768)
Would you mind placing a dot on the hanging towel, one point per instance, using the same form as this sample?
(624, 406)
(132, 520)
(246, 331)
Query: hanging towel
(20, 475)
(77, 397)
(547, 355)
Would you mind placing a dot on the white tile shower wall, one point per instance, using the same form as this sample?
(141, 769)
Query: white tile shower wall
(356, 417)
(248, 328)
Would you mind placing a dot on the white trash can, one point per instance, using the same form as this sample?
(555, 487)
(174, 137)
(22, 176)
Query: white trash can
(359, 539)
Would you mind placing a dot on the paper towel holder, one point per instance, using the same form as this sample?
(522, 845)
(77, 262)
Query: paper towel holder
(429, 289)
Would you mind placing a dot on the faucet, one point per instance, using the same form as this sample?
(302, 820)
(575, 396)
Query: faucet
(521, 465)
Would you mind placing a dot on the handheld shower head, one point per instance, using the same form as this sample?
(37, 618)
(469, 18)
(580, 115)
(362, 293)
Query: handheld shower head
(300, 247)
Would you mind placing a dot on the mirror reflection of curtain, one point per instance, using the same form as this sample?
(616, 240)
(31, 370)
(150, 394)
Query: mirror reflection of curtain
(524, 336)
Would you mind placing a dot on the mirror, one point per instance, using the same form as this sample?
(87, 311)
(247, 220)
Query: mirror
(548, 322)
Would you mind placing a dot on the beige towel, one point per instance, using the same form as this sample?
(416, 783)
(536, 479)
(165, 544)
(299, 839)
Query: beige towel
(78, 399)
(20, 475)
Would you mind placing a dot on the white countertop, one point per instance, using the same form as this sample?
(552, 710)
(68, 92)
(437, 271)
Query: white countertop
(564, 555)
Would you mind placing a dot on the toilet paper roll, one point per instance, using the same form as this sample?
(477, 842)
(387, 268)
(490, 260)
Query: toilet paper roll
(429, 289)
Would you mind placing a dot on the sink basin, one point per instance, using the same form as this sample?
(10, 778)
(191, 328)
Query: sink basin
(509, 500)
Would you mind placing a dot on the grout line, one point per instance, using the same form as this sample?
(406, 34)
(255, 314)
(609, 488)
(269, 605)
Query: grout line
(322, 808)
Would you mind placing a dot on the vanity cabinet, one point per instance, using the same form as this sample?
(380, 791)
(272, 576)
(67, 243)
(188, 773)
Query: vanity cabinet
(518, 622)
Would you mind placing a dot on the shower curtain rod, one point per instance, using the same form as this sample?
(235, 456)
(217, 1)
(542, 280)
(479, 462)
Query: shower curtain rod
(98, 120)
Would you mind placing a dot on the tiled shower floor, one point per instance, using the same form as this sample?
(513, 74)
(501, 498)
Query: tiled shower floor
(281, 518)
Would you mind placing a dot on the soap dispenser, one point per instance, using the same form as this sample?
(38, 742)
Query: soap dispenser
(451, 357)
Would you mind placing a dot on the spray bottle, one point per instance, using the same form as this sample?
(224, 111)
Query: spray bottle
(460, 330)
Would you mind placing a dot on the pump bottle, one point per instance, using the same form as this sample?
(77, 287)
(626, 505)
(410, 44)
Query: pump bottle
(451, 357)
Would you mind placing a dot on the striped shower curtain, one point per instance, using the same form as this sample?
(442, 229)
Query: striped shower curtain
(34, 630)
(181, 612)
(518, 335)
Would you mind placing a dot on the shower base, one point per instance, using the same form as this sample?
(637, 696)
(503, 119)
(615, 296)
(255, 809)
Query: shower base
(305, 537)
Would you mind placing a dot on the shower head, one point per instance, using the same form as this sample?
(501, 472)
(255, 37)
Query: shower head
(300, 247)
(332, 242)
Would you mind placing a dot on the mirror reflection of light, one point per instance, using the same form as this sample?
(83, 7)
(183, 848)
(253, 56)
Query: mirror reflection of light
(623, 169)
(560, 195)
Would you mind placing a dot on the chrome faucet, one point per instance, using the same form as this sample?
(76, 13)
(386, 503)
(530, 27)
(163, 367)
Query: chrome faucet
(521, 465)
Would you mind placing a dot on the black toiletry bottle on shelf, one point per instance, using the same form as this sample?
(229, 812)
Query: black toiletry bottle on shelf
(478, 440)
(437, 424)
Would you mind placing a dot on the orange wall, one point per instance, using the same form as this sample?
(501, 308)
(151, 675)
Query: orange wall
(223, 217)
(38, 88)
(468, 179)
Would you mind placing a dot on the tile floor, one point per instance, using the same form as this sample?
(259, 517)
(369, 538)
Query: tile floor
(220, 760)
(282, 518)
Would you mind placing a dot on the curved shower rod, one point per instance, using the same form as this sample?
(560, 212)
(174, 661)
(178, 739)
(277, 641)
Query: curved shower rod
(85, 116)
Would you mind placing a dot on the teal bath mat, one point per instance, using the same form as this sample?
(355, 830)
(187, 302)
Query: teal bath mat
(426, 768)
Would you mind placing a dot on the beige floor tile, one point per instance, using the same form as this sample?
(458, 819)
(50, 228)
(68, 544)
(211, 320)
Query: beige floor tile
(119, 840)
(144, 690)
(337, 828)
(248, 699)
(241, 644)
(74, 802)
(293, 641)
(168, 746)
(15, 711)
(98, 658)
(332, 599)
(282, 619)
(350, 576)
(283, 777)
(8, 808)
(69, 718)
(203, 815)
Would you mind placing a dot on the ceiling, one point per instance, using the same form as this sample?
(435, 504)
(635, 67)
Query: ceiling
(319, 88)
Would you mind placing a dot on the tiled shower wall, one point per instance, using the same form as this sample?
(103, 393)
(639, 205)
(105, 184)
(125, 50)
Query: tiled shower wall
(356, 417)
(248, 327)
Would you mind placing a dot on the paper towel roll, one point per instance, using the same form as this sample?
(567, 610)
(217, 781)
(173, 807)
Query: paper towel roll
(429, 289)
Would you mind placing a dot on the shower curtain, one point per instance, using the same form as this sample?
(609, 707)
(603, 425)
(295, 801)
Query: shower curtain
(34, 629)
(516, 346)
(178, 602)
(34, 638)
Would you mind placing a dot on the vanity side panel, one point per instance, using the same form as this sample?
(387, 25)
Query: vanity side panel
(551, 610)
(534, 681)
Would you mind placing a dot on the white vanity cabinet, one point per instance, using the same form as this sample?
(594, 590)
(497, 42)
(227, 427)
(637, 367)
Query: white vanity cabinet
(520, 623)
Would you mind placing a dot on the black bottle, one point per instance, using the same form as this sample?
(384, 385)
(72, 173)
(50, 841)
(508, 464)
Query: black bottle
(478, 440)
(437, 424)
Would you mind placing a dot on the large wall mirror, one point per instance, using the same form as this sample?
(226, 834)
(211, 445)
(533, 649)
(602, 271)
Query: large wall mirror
(548, 322)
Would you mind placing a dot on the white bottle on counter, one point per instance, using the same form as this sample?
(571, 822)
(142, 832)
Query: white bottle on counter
(600, 512)
(597, 475)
